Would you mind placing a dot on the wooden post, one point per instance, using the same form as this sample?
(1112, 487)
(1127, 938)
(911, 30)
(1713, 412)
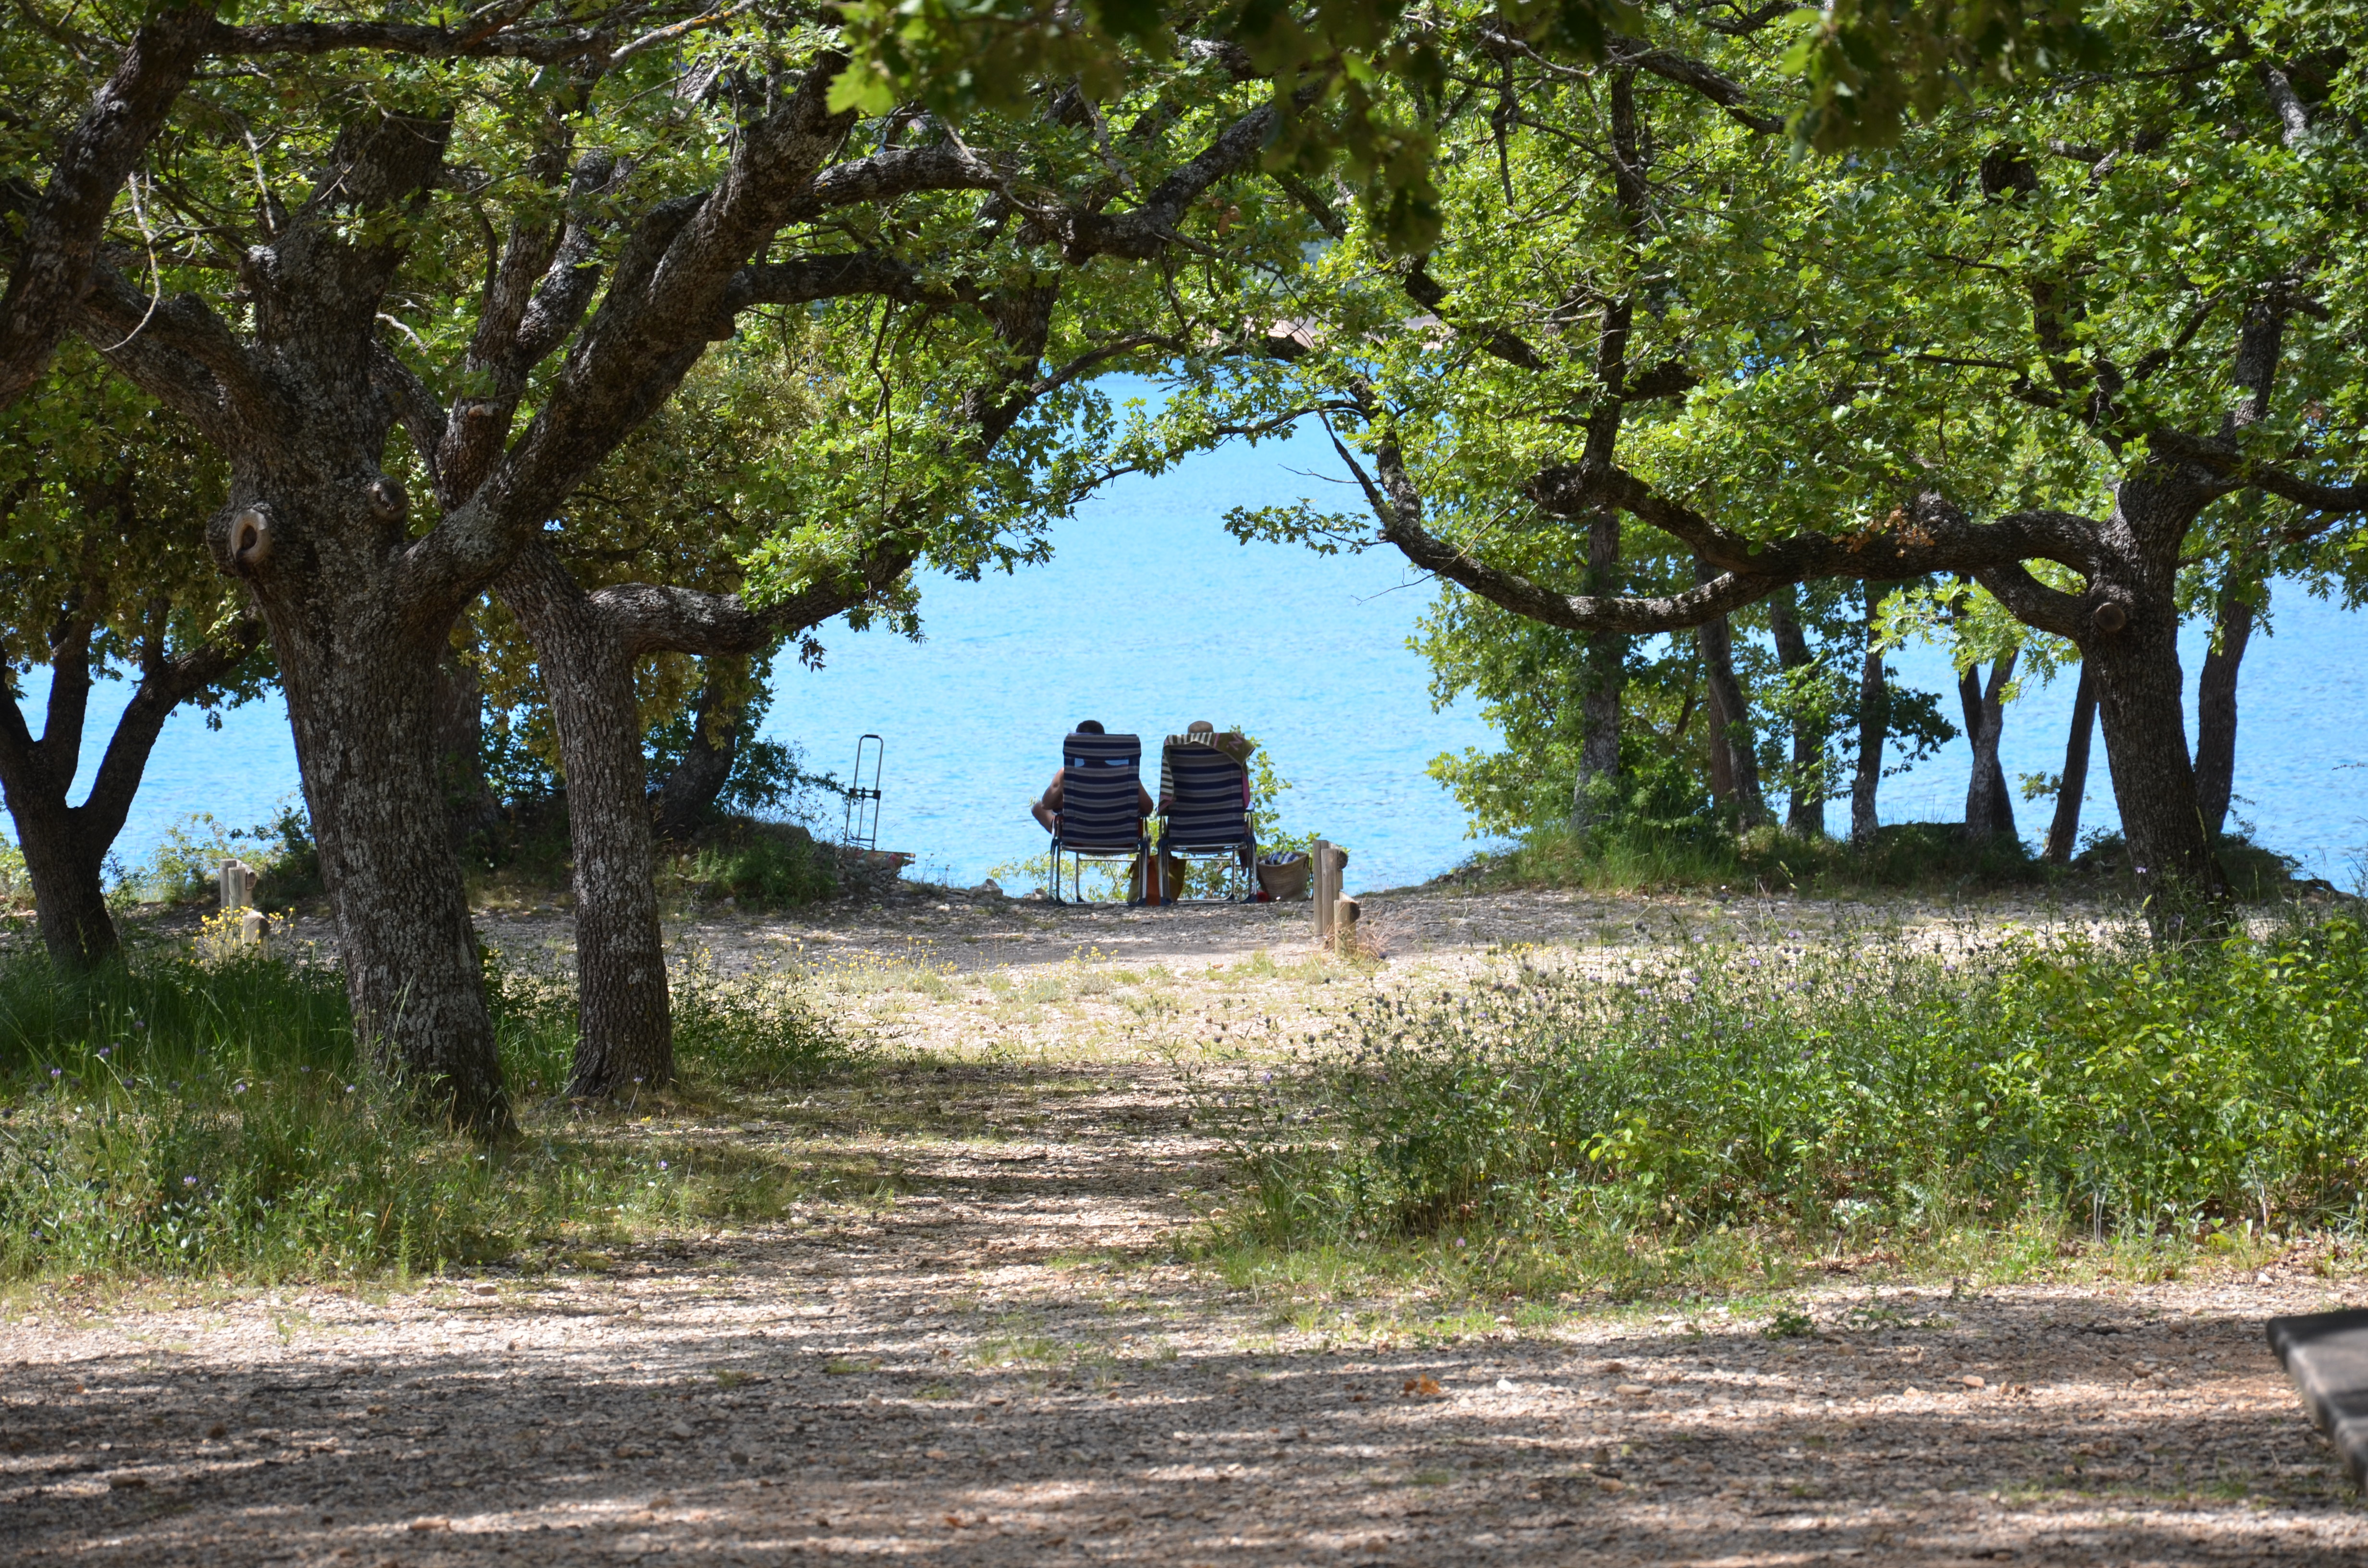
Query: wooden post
(1319, 872)
(250, 930)
(1344, 923)
(1330, 861)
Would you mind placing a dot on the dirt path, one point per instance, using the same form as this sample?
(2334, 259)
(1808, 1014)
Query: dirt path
(1008, 1362)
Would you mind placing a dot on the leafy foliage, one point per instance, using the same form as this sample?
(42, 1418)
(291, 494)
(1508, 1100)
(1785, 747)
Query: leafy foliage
(1840, 1090)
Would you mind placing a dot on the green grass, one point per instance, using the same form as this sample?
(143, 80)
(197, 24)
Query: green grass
(1738, 1114)
(169, 1117)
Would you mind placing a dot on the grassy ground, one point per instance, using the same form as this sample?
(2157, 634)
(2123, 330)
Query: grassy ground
(176, 1116)
(1036, 1260)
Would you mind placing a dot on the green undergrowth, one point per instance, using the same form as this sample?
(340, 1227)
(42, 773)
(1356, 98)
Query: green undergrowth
(167, 1117)
(749, 862)
(1742, 1116)
(754, 865)
(1909, 856)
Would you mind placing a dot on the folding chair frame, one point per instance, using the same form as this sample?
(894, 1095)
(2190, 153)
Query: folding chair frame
(1140, 855)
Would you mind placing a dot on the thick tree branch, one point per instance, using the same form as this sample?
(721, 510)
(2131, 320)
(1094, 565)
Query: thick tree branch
(63, 224)
(652, 619)
(2033, 603)
(1431, 295)
(2225, 460)
(1929, 534)
(1724, 91)
(666, 299)
(1142, 233)
(163, 688)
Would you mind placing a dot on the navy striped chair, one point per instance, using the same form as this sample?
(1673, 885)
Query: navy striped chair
(1101, 808)
(1208, 814)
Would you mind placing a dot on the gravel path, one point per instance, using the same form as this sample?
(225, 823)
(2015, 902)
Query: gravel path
(1002, 1358)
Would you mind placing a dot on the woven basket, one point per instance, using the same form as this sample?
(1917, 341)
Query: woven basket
(1286, 881)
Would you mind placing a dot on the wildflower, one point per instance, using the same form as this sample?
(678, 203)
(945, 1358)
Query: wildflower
(349, 1088)
(238, 1088)
(188, 1181)
(662, 1164)
(103, 1050)
(57, 1072)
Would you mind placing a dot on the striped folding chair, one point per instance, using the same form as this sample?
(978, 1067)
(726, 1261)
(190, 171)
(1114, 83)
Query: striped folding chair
(1208, 812)
(1101, 808)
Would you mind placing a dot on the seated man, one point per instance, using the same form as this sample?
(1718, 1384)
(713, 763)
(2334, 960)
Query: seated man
(1046, 808)
(1199, 732)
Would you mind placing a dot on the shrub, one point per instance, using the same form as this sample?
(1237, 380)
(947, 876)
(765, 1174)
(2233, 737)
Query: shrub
(1816, 1091)
(758, 865)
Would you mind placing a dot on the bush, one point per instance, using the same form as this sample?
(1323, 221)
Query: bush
(1822, 1092)
(758, 865)
(1630, 854)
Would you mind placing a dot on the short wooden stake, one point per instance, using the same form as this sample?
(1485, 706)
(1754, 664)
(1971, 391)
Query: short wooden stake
(1344, 924)
(1319, 872)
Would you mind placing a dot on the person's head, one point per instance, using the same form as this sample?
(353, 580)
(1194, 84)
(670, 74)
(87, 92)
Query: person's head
(1200, 730)
(1089, 727)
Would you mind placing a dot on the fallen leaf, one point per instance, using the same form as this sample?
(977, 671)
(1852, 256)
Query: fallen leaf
(125, 1482)
(1421, 1387)
(217, 1430)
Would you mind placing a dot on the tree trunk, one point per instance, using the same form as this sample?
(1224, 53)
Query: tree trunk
(1722, 752)
(1730, 715)
(1804, 814)
(64, 864)
(2215, 710)
(361, 703)
(460, 750)
(2072, 787)
(2131, 642)
(1604, 678)
(688, 796)
(65, 846)
(1989, 809)
(625, 1029)
(1873, 726)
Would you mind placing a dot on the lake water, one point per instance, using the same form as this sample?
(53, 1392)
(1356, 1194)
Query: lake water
(1150, 616)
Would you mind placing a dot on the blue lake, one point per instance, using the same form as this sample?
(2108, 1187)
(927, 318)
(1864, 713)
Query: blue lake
(1150, 616)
